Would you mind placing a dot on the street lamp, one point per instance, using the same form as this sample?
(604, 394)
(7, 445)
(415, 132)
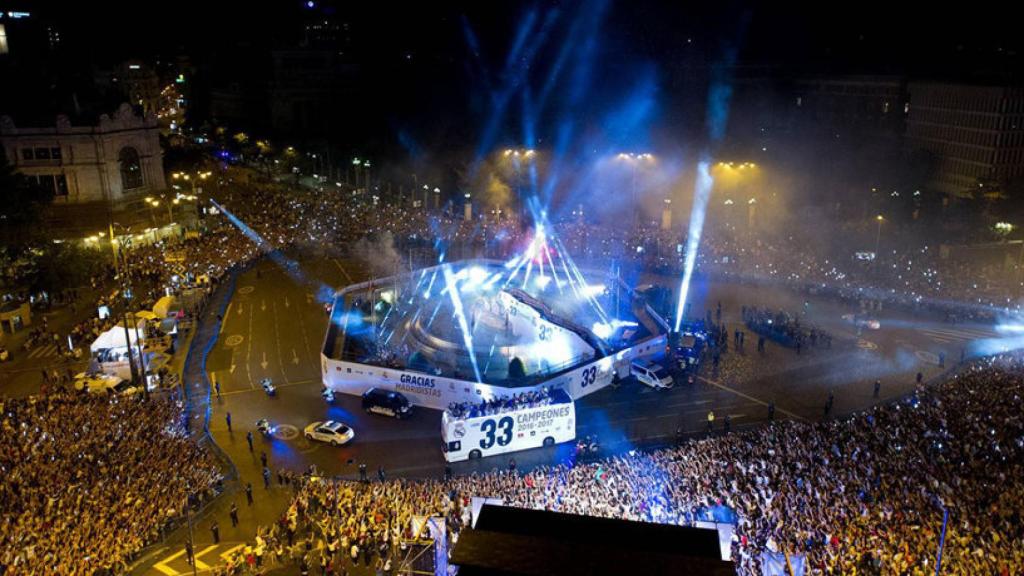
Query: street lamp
(437, 198)
(878, 234)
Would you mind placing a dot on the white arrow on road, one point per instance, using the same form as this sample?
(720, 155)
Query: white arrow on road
(232, 368)
(286, 302)
(263, 305)
(264, 363)
(295, 357)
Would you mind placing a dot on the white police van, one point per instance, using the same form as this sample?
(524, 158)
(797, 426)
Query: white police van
(475, 437)
(651, 374)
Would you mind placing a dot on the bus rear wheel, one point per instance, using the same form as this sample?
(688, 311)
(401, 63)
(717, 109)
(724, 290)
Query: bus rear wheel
(474, 454)
(549, 441)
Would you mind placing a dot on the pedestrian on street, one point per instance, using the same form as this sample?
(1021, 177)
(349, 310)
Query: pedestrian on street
(711, 422)
(248, 438)
(380, 473)
(280, 478)
(942, 359)
(227, 418)
(248, 493)
(512, 465)
(189, 555)
(920, 377)
(215, 531)
(728, 423)
(263, 458)
(447, 472)
(216, 386)
(878, 388)
(771, 410)
(234, 515)
(760, 343)
(362, 472)
(266, 478)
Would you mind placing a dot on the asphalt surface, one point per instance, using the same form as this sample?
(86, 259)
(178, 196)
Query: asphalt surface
(274, 327)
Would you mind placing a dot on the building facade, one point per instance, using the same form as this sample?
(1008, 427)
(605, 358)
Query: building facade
(974, 133)
(114, 161)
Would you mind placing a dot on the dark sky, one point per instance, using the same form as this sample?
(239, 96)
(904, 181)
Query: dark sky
(420, 77)
(912, 36)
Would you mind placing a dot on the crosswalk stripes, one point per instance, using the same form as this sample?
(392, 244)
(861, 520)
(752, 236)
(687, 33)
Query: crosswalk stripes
(947, 335)
(43, 351)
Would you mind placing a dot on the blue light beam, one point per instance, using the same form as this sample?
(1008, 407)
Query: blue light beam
(701, 196)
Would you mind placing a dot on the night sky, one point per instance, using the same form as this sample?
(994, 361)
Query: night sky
(428, 73)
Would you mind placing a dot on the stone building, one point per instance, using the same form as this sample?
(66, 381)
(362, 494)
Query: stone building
(117, 160)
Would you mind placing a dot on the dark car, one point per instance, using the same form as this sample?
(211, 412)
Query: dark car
(386, 402)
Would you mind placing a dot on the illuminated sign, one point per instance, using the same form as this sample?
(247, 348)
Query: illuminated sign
(18, 14)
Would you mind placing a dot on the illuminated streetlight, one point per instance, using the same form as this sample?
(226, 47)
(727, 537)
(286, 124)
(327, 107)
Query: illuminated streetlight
(878, 234)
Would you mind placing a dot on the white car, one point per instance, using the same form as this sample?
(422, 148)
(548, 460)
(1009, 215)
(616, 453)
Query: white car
(651, 374)
(334, 433)
(100, 383)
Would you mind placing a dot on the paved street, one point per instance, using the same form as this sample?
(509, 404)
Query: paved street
(274, 325)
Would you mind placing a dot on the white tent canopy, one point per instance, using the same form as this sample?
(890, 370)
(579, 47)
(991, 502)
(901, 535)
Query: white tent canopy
(115, 337)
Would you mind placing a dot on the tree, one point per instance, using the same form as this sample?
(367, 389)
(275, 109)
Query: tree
(21, 209)
(62, 266)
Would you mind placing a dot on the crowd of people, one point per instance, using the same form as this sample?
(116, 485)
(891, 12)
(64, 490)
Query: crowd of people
(89, 481)
(861, 495)
(502, 404)
(784, 328)
(864, 494)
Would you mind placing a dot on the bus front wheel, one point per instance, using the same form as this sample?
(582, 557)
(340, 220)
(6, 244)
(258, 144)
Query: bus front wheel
(549, 441)
(474, 454)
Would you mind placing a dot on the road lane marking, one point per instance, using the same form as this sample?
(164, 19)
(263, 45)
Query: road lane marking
(277, 340)
(200, 565)
(279, 386)
(248, 354)
(338, 264)
(226, 555)
(164, 568)
(224, 320)
(749, 397)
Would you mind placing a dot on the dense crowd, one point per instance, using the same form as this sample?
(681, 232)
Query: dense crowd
(89, 481)
(784, 327)
(388, 234)
(502, 404)
(864, 495)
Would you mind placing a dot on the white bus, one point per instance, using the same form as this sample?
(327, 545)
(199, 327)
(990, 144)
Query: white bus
(475, 437)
